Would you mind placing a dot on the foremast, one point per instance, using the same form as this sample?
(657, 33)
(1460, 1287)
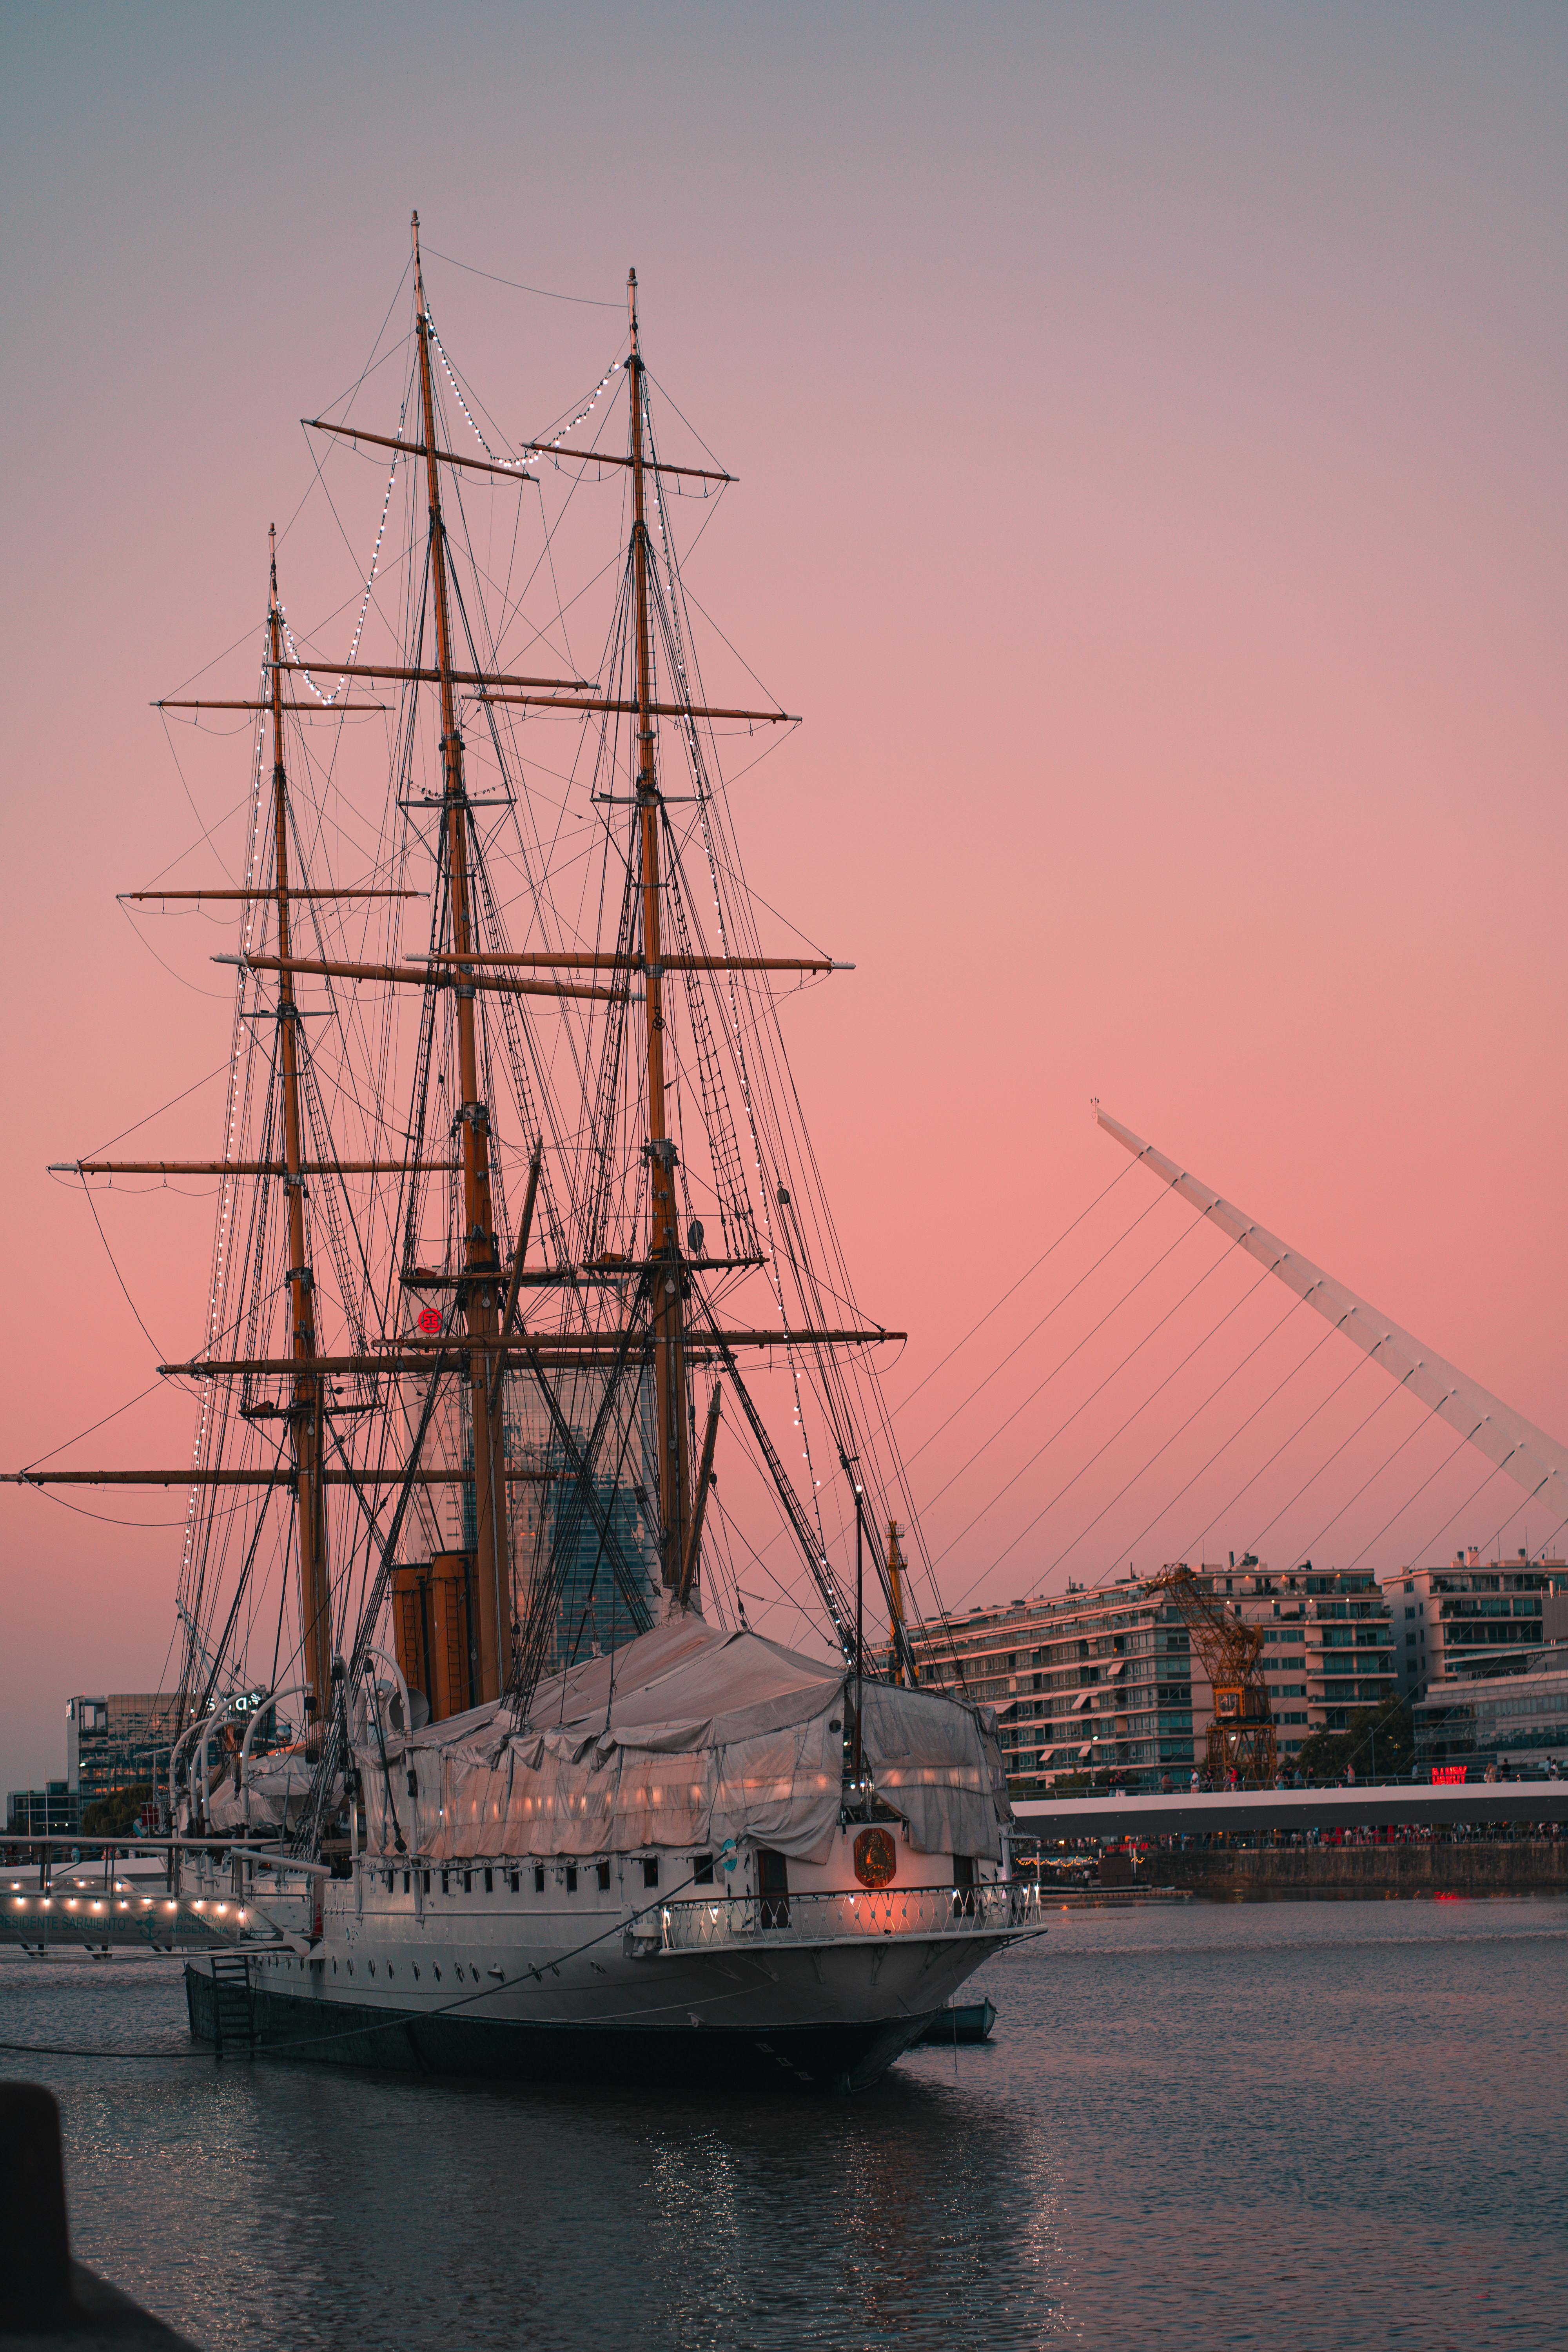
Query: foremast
(670, 1369)
(481, 1261)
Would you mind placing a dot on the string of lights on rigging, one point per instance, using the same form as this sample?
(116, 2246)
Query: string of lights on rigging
(694, 753)
(517, 464)
(328, 700)
(220, 1271)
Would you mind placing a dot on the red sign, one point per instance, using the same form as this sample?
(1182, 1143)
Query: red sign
(429, 1321)
(1445, 1775)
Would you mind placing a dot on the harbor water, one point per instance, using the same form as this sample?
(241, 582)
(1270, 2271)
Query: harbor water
(1297, 2125)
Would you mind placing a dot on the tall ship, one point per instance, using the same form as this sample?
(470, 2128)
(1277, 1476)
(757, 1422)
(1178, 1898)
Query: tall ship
(521, 1259)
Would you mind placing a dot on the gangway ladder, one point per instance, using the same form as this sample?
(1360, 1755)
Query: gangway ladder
(234, 2013)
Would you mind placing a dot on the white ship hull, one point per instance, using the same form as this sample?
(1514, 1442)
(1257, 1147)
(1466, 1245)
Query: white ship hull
(514, 1981)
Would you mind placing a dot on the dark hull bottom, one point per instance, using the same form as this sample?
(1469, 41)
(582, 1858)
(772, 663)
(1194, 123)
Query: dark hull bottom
(834, 2057)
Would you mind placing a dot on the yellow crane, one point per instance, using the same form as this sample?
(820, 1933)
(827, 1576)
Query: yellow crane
(1241, 1734)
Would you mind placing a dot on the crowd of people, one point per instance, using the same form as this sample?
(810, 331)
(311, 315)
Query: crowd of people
(1203, 1784)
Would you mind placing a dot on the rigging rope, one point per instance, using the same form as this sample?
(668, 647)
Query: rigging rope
(328, 700)
(518, 465)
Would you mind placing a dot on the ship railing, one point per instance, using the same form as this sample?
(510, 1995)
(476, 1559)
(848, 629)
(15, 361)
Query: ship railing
(847, 1918)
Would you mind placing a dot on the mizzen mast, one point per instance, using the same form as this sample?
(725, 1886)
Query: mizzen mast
(305, 1411)
(481, 1258)
(669, 1362)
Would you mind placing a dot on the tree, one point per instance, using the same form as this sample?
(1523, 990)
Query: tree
(113, 1815)
(1380, 1739)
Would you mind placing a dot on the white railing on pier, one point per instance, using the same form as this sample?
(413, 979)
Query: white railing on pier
(916, 1912)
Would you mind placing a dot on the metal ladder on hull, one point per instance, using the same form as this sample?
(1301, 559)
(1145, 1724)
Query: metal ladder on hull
(234, 2015)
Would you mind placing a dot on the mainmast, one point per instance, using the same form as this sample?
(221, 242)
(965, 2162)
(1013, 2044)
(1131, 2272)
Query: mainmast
(305, 1412)
(492, 1564)
(669, 1364)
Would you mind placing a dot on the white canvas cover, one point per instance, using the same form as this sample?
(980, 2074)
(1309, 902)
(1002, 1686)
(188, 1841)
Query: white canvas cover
(937, 1762)
(684, 1737)
(278, 1787)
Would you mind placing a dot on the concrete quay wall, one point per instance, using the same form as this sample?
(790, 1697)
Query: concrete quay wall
(1466, 1866)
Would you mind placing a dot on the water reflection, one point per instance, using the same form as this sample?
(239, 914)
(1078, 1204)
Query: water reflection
(1175, 2109)
(915, 2217)
(299, 2206)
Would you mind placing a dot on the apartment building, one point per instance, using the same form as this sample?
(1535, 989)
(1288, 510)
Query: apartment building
(1104, 1680)
(1518, 1720)
(1085, 1682)
(1473, 1613)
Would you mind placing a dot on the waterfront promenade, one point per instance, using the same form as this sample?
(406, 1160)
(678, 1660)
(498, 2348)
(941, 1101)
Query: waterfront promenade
(1263, 1811)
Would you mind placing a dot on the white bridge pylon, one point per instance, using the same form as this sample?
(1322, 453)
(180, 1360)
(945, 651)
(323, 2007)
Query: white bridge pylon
(1538, 1463)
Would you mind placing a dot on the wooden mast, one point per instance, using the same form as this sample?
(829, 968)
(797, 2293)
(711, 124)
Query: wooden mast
(669, 1366)
(306, 1409)
(491, 1563)
(896, 1597)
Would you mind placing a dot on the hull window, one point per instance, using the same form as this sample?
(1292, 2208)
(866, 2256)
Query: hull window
(650, 1869)
(539, 1878)
(571, 1882)
(603, 1874)
(702, 1870)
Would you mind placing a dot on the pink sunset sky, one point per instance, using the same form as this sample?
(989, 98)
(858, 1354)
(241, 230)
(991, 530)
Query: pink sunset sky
(1152, 492)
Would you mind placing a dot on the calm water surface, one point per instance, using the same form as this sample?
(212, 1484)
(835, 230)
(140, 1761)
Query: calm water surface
(1303, 2126)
